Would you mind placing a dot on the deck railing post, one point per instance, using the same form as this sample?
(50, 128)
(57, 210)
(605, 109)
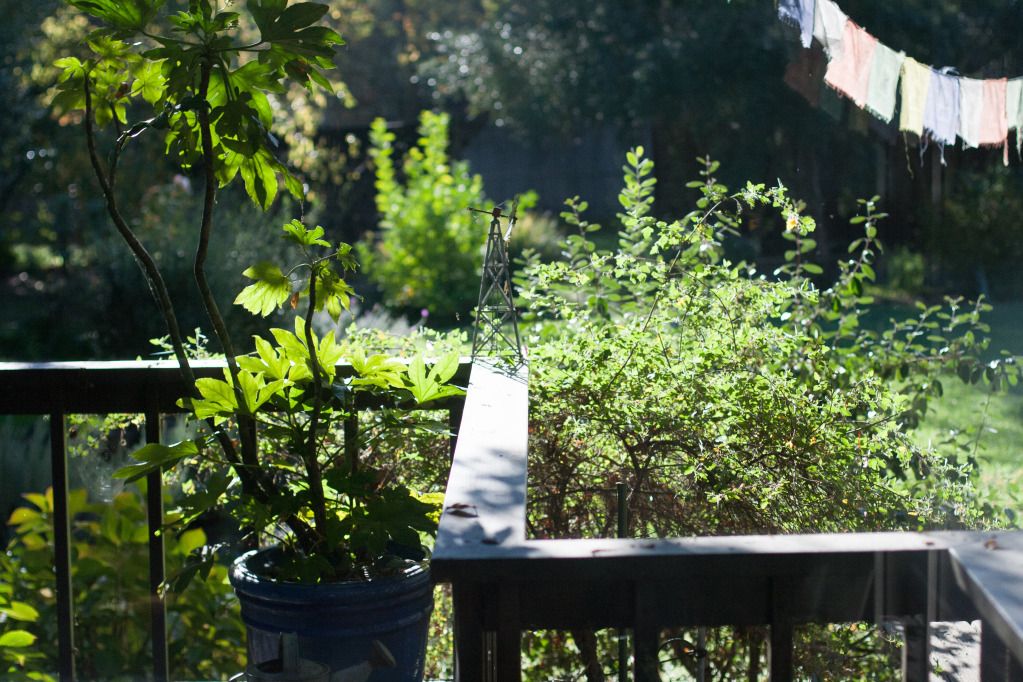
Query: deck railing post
(62, 548)
(157, 563)
(997, 664)
(916, 650)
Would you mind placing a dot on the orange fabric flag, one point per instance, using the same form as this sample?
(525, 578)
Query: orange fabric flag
(849, 73)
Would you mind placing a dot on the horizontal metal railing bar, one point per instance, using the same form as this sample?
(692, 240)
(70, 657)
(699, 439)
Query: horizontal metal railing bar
(106, 387)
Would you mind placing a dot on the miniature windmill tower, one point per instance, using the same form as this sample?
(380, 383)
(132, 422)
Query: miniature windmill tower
(496, 331)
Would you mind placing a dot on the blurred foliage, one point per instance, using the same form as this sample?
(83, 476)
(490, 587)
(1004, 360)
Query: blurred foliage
(110, 574)
(976, 233)
(535, 64)
(689, 79)
(427, 254)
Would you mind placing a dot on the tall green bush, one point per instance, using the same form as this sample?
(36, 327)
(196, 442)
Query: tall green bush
(427, 253)
(732, 401)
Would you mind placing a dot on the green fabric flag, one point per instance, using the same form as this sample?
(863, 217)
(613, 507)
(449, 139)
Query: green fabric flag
(885, 66)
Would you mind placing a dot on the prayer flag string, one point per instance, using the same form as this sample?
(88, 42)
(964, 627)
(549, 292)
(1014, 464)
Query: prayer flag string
(935, 104)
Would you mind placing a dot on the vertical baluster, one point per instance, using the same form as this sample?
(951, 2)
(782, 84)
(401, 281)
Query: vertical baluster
(916, 654)
(454, 421)
(782, 594)
(916, 650)
(62, 548)
(154, 515)
(645, 635)
(352, 440)
(781, 651)
(509, 635)
(622, 491)
(470, 660)
(994, 657)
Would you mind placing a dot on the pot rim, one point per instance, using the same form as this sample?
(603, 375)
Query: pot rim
(242, 573)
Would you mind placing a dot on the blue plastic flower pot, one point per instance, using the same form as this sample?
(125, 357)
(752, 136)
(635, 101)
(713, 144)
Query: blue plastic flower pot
(349, 626)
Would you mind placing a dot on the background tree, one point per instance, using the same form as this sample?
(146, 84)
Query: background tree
(708, 78)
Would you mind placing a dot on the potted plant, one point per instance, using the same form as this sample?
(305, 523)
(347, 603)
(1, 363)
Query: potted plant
(342, 543)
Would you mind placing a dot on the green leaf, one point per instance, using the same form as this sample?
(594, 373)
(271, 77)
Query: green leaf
(156, 457)
(336, 294)
(264, 12)
(426, 387)
(71, 67)
(446, 367)
(255, 390)
(218, 399)
(297, 16)
(294, 186)
(17, 639)
(149, 82)
(297, 232)
(191, 540)
(260, 179)
(376, 370)
(121, 14)
(19, 610)
(22, 515)
(268, 293)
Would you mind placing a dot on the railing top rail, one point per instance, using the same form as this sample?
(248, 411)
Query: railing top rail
(485, 498)
(109, 386)
(991, 574)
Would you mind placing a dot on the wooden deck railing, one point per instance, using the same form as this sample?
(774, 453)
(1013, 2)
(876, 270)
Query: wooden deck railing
(59, 389)
(504, 583)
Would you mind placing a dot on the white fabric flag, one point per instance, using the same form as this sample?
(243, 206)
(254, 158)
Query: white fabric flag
(828, 25)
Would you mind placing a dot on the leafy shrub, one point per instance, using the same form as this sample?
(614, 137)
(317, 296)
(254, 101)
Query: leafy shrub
(427, 252)
(730, 401)
(110, 579)
(906, 272)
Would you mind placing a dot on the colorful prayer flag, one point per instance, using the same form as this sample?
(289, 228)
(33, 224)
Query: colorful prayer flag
(798, 13)
(850, 72)
(982, 116)
(828, 27)
(941, 113)
(883, 83)
(916, 80)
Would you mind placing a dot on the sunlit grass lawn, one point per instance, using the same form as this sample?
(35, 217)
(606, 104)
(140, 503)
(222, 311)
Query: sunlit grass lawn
(999, 439)
(998, 416)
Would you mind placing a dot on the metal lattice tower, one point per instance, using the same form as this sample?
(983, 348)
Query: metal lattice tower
(496, 330)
